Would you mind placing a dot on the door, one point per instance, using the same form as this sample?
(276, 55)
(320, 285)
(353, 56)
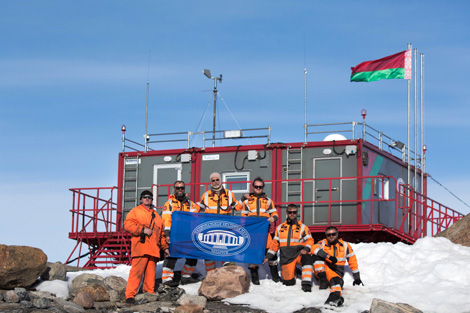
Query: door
(164, 174)
(323, 191)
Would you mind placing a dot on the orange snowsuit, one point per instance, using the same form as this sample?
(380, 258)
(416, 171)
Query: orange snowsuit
(144, 255)
(260, 206)
(173, 204)
(212, 203)
(290, 238)
(334, 272)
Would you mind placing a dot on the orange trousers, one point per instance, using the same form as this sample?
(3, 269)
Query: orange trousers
(142, 266)
(334, 279)
(288, 270)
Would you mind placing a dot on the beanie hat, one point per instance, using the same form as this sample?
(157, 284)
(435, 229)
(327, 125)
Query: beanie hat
(146, 193)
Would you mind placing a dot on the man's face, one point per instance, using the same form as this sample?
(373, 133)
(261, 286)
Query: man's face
(215, 182)
(179, 189)
(291, 214)
(331, 235)
(258, 187)
(147, 200)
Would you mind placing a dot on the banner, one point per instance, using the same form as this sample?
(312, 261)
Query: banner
(218, 237)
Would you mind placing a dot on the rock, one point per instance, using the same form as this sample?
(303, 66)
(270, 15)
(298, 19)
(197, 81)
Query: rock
(20, 266)
(84, 280)
(145, 297)
(41, 303)
(41, 294)
(381, 306)
(97, 292)
(115, 283)
(84, 299)
(22, 293)
(190, 299)
(2, 295)
(68, 306)
(225, 282)
(114, 296)
(309, 310)
(459, 232)
(26, 304)
(105, 305)
(11, 297)
(189, 308)
(169, 294)
(54, 271)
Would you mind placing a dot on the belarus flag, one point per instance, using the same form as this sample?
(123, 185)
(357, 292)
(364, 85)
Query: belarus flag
(397, 66)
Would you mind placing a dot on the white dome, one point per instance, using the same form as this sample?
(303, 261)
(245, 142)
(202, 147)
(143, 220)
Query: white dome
(332, 137)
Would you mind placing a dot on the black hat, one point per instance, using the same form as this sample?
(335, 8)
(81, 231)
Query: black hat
(146, 193)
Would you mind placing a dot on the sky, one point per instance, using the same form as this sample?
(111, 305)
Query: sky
(71, 74)
(432, 275)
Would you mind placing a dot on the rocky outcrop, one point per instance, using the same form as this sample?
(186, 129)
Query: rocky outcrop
(84, 280)
(458, 233)
(20, 266)
(225, 282)
(381, 306)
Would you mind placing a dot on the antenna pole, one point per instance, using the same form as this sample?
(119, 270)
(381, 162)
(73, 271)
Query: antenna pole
(146, 118)
(215, 111)
(305, 100)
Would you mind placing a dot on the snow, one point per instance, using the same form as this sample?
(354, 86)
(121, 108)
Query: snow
(432, 275)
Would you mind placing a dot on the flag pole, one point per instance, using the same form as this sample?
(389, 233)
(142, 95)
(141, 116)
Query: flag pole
(409, 121)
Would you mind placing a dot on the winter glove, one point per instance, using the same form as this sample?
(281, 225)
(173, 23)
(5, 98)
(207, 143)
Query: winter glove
(333, 259)
(357, 280)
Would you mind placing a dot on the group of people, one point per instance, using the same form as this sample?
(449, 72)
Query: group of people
(324, 260)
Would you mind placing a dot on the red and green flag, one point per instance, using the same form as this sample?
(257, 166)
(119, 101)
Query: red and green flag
(396, 66)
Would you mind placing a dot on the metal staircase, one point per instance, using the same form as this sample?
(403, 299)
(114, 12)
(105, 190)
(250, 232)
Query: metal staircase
(114, 250)
(130, 178)
(294, 171)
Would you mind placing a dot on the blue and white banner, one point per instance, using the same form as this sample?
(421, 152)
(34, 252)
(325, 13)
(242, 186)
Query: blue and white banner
(218, 237)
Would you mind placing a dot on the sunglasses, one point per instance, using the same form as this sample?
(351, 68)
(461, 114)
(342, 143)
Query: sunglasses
(216, 179)
(291, 212)
(179, 188)
(147, 197)
(258, 187)
(331, 234)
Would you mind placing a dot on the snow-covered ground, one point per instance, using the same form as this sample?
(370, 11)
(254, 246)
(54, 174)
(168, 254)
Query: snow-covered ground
(432, 275)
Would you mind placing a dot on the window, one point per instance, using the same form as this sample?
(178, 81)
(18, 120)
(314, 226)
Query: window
(381, 188)
(237, 177)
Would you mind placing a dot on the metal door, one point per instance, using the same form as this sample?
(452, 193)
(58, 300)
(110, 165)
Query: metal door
(164, 174)
(323, 191)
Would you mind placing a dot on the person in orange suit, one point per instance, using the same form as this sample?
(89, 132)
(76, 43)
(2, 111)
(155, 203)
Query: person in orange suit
(146, 228)
(294, 241)
(329, 259)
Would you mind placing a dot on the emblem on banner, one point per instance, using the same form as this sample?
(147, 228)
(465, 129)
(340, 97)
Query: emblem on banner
(220, 238)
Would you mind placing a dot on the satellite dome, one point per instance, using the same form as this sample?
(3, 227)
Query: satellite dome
(332, 137)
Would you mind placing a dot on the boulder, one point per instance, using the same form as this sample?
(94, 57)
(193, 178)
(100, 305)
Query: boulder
(54, 271)
(97, 292)
(11, 297)
(20, 266)
(169, 294)
(145, 297)
(225, 282)
(114, 296)
(68, 306)
(84, 299)
(84, 280)
(41, 303)
(22, 293)
(459, 232)
(381, 306)
(115, 283)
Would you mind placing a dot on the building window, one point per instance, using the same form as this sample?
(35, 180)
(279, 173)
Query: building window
(237, 177)
(382, 188)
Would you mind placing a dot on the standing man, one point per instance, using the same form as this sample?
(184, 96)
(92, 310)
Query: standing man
(217, 200)
(294, 241)
(178, 201)
(259, 205)
(335, 252)
(146, 228)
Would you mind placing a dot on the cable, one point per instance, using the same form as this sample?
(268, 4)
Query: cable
(448, 190)
(235, 160)
(233, 117)
(200, 121)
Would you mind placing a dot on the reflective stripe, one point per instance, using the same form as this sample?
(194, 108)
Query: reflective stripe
(355, 271)
(316, 250)
(351, 254)
(166, 213)
(341, 259)
(308, 246)
(166, 228)
(272, 252)
(206, 198)
(291, 240)
(307, 267)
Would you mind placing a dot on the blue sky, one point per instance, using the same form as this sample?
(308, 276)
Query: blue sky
(71, 73)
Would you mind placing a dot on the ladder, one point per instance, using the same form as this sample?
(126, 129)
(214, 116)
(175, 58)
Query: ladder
(130, 182)
(294, 171)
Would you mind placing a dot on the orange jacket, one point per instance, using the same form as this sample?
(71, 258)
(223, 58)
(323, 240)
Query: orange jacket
(259, 206)
(290, 238)
(342, 251)
(212, 203)
(138, 218)
(172, 205)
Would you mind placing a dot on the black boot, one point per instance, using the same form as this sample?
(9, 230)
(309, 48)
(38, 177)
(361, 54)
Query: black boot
(306, 288)
(274, 273)
(323, 280)
(254, 275)
(335, 299)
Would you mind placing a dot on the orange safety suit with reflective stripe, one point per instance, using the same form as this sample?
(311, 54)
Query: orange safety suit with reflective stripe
(334, 272)
(290, 238)
(173, 204)
(144, 255)
(260, 206)
(213, 203)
